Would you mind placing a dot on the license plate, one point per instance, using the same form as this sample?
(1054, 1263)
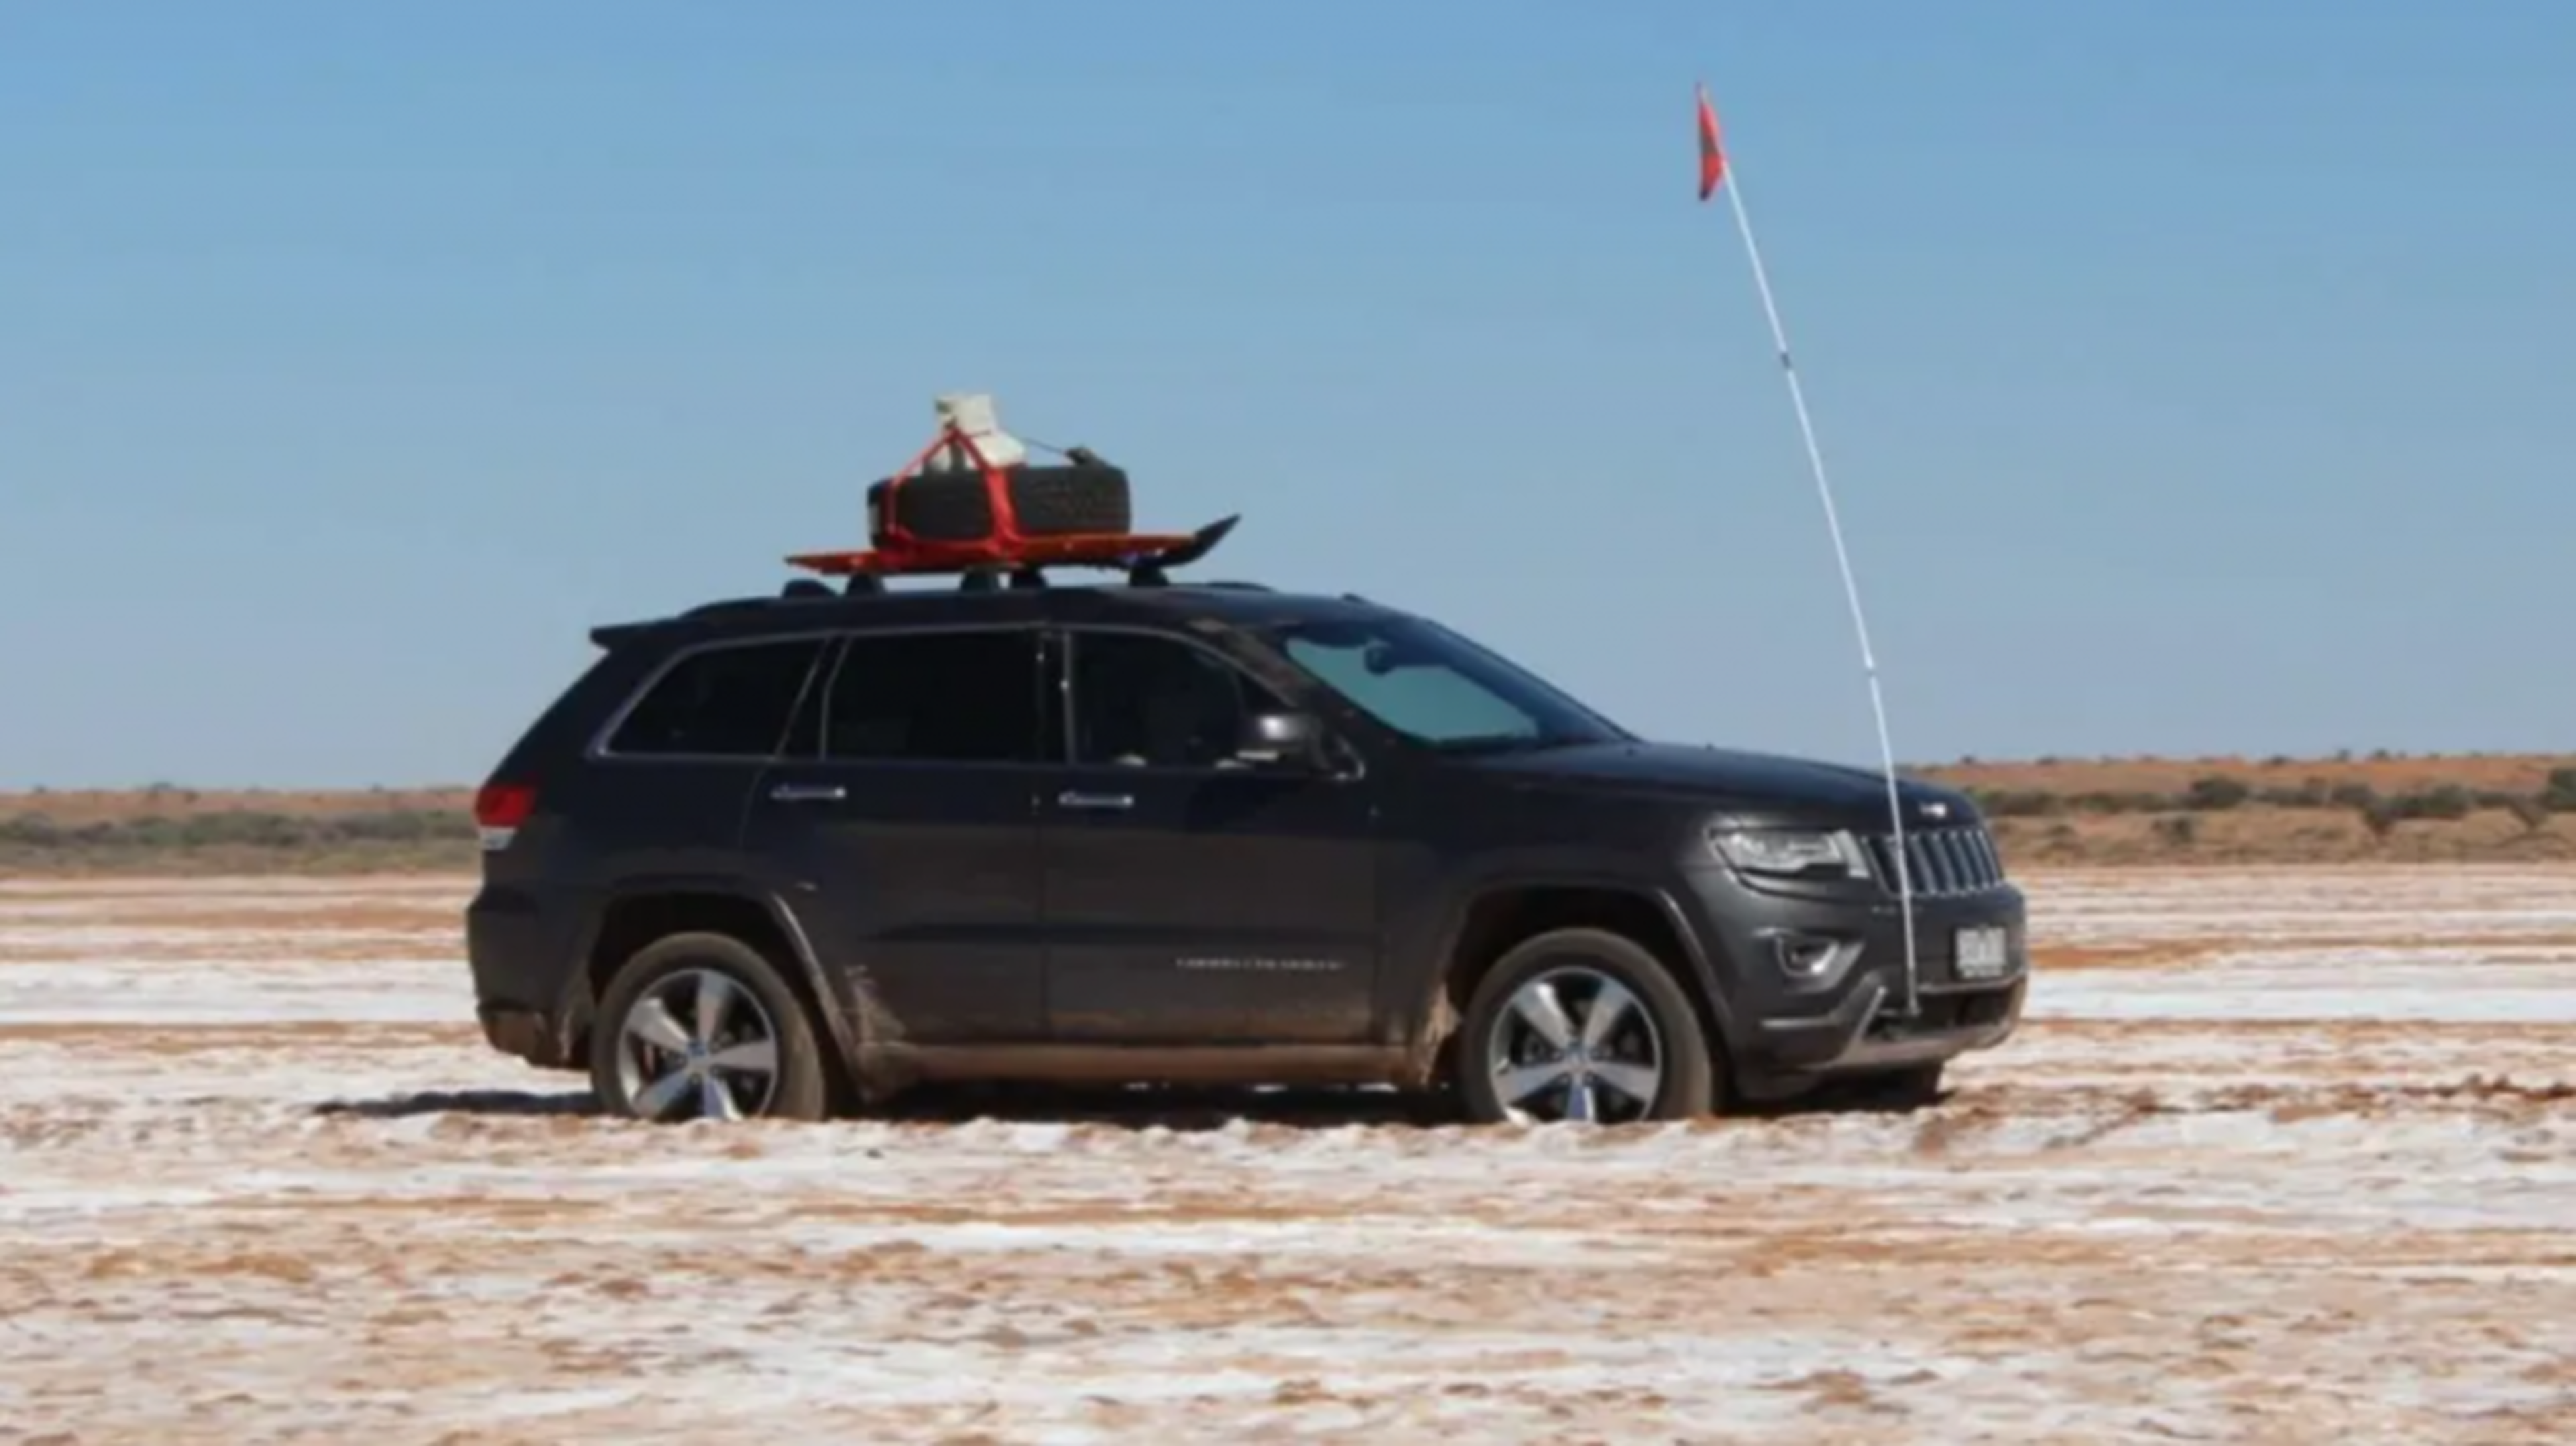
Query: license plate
(1981, 953)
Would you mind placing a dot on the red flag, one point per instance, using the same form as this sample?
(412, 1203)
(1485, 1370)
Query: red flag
(1712, 157)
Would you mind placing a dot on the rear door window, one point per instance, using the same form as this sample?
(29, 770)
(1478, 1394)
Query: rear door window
(732, 700)
(963, 696)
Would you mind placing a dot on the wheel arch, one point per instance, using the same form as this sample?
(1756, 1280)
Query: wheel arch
(1498, 913)
(638, 911)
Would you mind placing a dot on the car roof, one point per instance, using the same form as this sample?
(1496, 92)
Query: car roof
(1240, 604)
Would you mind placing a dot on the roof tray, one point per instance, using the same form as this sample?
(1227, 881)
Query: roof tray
(1146, 557)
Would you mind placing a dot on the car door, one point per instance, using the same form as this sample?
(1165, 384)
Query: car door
(661, 799)
(1190, 898)
(905, 831)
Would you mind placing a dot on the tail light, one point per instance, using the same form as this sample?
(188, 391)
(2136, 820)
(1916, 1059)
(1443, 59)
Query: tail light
(499, 809)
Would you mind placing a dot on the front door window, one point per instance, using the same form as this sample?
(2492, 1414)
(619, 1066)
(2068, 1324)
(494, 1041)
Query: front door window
(1143, 701)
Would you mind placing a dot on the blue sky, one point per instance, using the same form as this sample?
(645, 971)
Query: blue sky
(2195, 378)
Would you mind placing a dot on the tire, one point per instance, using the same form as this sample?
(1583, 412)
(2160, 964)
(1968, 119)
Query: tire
(1653, 1021)
(1913, 1087)
(676, 972)
(1047, 501)
(1069, 501)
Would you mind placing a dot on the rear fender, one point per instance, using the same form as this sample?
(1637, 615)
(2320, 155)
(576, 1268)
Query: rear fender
(843, 1004)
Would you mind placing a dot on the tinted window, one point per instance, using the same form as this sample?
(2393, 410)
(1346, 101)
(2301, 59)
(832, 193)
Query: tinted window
(1141, 700)
(963, 697)
(733, 701)
(1421, 679)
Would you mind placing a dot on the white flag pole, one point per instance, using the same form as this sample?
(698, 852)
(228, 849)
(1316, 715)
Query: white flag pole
(1721, 173)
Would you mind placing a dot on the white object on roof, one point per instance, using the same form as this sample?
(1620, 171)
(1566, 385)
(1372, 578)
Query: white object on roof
(973, 414)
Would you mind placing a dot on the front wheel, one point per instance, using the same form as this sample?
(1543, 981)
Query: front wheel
(1913, 1087)
(703, 1026)
(1586, 1026)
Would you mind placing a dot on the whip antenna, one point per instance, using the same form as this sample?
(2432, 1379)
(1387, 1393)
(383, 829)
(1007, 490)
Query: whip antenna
(1715, 173)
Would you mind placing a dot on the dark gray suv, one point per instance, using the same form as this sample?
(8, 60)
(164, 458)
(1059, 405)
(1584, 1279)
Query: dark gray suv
(786, 856)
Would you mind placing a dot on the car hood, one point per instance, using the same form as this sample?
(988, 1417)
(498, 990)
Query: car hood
(1732, 778)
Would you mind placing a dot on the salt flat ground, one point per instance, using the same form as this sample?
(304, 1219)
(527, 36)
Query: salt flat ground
(2281, 1156)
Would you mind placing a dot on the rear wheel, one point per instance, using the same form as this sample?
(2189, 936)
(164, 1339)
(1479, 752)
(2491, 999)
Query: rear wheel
(703, 1026)
(1582, 1025)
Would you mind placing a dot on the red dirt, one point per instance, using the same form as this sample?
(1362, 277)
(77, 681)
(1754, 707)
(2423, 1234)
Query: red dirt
(2500, 772)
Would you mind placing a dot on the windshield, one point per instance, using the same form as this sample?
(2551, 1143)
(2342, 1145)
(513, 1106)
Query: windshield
(1438, 688)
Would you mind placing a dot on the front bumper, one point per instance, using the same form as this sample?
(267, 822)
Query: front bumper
(1851, 1016)
(1870, 1031)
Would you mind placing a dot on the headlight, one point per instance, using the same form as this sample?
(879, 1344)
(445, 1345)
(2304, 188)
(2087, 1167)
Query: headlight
(1790, 851)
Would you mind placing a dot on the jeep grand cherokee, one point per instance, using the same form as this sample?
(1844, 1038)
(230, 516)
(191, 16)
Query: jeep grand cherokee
(787, 856)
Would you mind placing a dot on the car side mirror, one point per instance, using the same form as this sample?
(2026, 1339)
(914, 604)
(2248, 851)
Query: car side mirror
(1293, 739)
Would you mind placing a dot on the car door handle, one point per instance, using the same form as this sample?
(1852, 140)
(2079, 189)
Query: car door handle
(808, 793)
(1104, 802)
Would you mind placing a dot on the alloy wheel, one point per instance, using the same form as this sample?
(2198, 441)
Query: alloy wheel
(697, 1045)
(1575, 1044)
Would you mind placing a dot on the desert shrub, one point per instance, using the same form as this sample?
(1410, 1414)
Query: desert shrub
(2216, 791)
(236, 830)
(403, 825)
(2178, 829)
(240, 828)
(2017, 802)
(30, 830)
(2559, 794)
(2447, 801)
(2120, 802)
(2314, 793)
(2353, 795)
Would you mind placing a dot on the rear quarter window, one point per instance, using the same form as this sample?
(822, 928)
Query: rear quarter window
(732, 700)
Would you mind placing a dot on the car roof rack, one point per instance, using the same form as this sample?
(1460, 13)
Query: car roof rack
(1147, 572)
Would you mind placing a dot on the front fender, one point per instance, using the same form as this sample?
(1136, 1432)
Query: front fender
(1432, 1019)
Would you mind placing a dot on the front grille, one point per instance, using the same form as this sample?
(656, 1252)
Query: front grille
(1944, 861)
